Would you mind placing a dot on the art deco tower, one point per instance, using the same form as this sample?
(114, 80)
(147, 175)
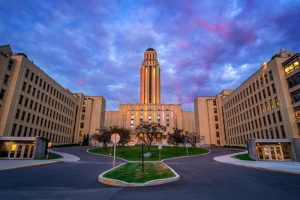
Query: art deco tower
(150, 78)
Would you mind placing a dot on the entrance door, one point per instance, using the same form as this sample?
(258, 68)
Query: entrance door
(270, 152)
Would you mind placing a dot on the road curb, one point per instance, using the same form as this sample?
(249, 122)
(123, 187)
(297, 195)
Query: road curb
(119, 183)
(249, 166)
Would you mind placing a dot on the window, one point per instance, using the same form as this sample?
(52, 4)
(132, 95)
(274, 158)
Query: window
(266, 78)
(216, 118)
(132, 121)
(279, 116)
(217, 126)
(291, 67)
(2, 93)
(282, 131)
(26, 73)
(83, 109)
(82, 117)
(10, 63)
(215, 110)
(149, 119)
(17, 114)
(273, 88)
(167, 120)
(141, 118)
(20, 99)
(271, 75)
(214, 102)
(13, 130)
(5, 81)
(294, 80)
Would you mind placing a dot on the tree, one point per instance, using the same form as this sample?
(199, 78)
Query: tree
(194, 138)
(177, 137)
(103, 136)
(83, 140)
(150, 132)
(87, 140)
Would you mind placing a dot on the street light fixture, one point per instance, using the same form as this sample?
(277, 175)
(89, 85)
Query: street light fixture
(142, 134)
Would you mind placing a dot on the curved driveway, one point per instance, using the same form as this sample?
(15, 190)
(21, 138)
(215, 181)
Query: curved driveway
(201, 178)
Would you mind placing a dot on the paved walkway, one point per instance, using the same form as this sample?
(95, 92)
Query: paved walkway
(13, 164)
(281, 166)
(201, 178)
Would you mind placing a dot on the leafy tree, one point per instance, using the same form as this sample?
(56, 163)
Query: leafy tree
(103, 136)
(87, 140)
(193, 138)
(83, 140)
(177, 137)
(150, 131)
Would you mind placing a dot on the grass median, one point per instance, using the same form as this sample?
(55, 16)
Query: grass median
(243, 157)
(131, 172)
(134, 153)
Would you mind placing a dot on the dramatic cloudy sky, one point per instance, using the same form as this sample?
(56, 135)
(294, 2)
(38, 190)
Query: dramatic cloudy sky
(96, 47)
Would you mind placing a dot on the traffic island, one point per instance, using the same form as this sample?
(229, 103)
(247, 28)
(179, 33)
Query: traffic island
(130, 174)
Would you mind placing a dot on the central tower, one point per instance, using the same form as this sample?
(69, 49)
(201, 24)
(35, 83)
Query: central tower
(150, 78)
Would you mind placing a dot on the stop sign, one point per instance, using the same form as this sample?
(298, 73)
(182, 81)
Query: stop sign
(115, 138)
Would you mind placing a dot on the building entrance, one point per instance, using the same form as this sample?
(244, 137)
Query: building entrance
(270, 152)
(21, 151)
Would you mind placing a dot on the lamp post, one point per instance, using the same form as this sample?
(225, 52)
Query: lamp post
(142, 134)
(49, 146)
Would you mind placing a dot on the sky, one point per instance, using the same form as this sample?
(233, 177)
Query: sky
(96, 47)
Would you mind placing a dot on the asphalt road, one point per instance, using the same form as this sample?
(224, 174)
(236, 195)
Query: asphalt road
(201, 178)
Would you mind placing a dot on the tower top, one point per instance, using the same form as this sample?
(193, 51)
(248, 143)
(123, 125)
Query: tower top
(150, 49)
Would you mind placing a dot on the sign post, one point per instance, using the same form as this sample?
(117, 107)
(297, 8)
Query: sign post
(115, 138)
(159, 151)
(185, 143)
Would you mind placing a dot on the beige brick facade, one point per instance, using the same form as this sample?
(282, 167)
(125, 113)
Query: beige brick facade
(32, 103)
(261, 107)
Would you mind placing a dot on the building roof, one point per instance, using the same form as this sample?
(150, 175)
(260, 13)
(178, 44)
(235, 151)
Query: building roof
(150, 49)
(296, 55)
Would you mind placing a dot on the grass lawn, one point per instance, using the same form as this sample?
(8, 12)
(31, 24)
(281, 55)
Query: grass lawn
(131, 172)
(51, 156)
(134, 153)
(243, 157)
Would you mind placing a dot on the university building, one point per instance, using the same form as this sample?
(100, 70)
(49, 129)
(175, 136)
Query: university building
(209, 119)
(90, 115)
(150, 109)
(266, 106)
(32, 103)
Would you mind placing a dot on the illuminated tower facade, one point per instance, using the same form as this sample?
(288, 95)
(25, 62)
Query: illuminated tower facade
(150, 78)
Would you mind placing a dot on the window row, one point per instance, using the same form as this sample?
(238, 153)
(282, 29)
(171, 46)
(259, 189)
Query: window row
(26, 102)
(48, 88)
(255, 124)
(27, 88)
(264, 79)
(271, 133)
(240, 115)
(25, 131)
(46, 112)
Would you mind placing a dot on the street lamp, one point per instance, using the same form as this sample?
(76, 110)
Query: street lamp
(142, 135)
(49, 146)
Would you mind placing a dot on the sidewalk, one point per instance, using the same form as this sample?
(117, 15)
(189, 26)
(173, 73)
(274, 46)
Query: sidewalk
(13, 164)
(280, 166)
